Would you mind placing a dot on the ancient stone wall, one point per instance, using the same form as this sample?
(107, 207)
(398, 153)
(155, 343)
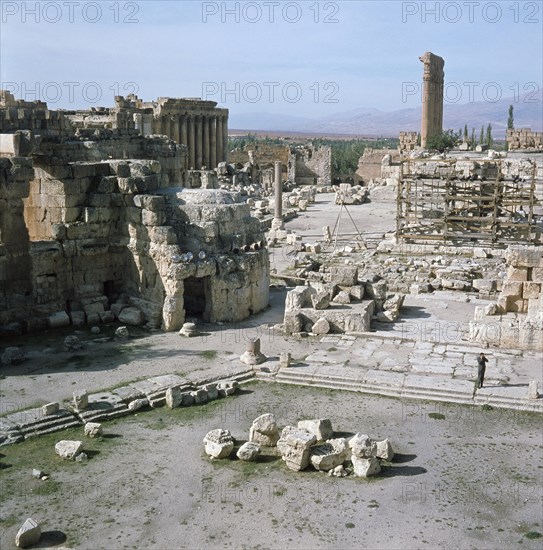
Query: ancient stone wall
(95, 223)
(314, 166)
(369, 164)
(408, 141)
(516, 320)
(524, 138)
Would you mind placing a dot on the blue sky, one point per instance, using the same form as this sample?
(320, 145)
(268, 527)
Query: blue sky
(302, 58)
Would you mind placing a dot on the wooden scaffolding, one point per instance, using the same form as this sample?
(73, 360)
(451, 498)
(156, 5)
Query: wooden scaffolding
(485, 206)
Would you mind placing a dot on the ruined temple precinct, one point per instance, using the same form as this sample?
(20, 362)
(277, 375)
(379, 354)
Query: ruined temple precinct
(97, 223)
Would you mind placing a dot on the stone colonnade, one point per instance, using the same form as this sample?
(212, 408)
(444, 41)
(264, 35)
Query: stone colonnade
(201, 127)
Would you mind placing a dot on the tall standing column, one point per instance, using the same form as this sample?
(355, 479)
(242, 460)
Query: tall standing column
(198, 122)
(192, 143)
(225, 138)
(432, 97)
(220, 150)
(277, 222)
(184, 133)
(175, 130)
(212, 143)
(205, 127)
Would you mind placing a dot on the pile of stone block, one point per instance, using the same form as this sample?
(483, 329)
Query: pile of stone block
(347, 194)
(310, 443)
(332, 306)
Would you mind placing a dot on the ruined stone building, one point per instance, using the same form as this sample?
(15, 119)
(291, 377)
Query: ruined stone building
(304, 164)
(524, 139)
(193, 122)
(95, 219)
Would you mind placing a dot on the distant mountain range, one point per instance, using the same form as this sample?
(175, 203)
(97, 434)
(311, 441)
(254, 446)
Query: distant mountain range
(527, 110)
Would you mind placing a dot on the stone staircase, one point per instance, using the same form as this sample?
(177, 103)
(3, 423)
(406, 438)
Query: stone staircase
(405, 385)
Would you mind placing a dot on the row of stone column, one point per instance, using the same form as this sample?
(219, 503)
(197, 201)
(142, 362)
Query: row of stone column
(206, 137)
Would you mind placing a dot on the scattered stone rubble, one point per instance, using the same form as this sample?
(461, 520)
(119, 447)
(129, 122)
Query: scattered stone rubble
(312, 443)
(335, 300)
(90, 410)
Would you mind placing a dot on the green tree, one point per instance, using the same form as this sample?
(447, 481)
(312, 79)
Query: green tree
(473, 140)
(441, 143)
(488, 140)
(418, 139)
(466, 132)
(482, 135)
(510, 119)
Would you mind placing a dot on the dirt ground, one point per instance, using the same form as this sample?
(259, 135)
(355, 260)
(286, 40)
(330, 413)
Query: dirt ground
(462, 478)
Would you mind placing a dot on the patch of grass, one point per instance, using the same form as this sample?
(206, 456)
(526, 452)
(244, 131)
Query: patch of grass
(349, 525)
(487, 407)
(332, 349)
(373, 504)
(209, 354)
(533, 535)
(437, 416)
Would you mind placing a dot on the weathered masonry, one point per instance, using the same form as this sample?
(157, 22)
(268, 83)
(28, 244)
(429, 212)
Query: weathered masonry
(197, 124)
(495, 201)
(432, 97)
(96, 221)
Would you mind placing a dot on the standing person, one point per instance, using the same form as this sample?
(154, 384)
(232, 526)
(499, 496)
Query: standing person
(481, 364)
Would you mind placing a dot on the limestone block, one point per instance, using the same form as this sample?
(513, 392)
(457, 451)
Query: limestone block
(516, 304)
(322, 326)
(227, 388)
(199, 396)
(321, 428)
(212, 391)
(329, 455)
(137, 404)
(93, 429)
(294, 446)
(342, 297)
(122, 333)
(285, 360)
(517, 273)
(12, 356)
(173, 397)
(187, 399)
(29, 534)
(524, 256)
(68, 449)
(299, 297)
(248, 451)
(533, 390)
(362, 446)
(107, 317)
(117, 308)
(484, 285)
(265, 424)
(321, 300)
(58, 319)
(366, 467)
(376, 290)
(80, 400)
(530, 290)
(344, 275)
(218, 443)
(50, 408)
(132, 316)
(512, 288)
(537, 274)
(357, 292)
(385, 450)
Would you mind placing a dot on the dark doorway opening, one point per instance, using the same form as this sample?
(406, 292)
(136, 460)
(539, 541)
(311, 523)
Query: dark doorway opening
(196, 297)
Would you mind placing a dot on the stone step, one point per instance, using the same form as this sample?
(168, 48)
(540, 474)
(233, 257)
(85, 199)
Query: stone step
(460, 391)
(51, 429)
